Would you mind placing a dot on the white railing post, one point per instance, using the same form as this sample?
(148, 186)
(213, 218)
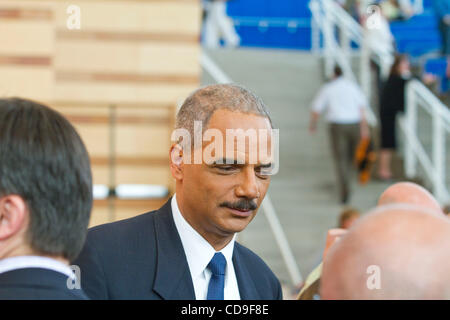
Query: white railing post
(438, 149)
(364, 68)
(344, 40)
(328, 33)
(315, 34)
(418, 6)
(411, 129)
(282, 241)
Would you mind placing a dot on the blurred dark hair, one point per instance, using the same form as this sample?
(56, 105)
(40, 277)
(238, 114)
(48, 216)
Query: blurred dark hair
(44, 161)
(347, 214)
(337, 71)
(446, 209)
(394, 68)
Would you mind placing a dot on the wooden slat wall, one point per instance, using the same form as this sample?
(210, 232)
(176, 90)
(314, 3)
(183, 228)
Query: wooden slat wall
(139, 55)
(128, 51)
(27, 41)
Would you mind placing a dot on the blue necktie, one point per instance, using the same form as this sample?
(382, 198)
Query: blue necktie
(217, 282)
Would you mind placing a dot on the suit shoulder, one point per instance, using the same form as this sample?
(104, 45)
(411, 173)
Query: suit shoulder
(39, 293)
(124, 227)
(256, 262)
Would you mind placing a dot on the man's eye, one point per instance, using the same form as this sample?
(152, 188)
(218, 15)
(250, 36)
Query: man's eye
(226, 168)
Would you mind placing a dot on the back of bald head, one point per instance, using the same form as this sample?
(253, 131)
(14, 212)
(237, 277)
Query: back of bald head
(394, 252)
(411, 193)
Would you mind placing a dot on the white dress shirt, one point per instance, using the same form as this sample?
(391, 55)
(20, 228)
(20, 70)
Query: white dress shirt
(199, 253)
(343, 101)
(24, 262)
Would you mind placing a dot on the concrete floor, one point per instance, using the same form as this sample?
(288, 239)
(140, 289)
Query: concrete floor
(303, 192)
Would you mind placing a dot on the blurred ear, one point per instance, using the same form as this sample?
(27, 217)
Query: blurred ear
(176, 161)
(13, 213)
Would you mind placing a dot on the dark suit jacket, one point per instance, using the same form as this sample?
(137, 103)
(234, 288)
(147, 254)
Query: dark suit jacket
(143, 258)
(37, 284)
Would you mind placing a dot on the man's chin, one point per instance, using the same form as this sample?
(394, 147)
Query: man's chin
(237, 224)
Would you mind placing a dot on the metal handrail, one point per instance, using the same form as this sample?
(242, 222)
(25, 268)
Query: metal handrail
(328, 12)
(435, 166)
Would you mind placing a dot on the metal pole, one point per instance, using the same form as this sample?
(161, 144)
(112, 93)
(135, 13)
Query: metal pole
(282, 241)
(315, 36)
(364, 74)
(411, 130)
(438, 148)
(112, 161)
(328, 40)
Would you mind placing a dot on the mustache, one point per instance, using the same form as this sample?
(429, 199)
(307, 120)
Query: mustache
(242, 204)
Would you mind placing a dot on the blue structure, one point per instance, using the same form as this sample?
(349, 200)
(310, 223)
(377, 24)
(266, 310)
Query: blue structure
(287, 24)
(418, 35)
(438, 67)
(272, 23)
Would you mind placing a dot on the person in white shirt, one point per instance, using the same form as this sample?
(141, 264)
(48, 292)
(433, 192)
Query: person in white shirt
(45, 202)
(344, 104)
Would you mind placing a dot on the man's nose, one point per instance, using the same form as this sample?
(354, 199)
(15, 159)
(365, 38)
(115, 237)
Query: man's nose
(248, 186)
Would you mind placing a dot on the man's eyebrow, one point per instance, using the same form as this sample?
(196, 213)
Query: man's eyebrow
(235, 162)
(266, 165)
(226, 161)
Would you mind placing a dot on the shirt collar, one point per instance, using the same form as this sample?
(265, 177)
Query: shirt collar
(23, 262)
(198, 251)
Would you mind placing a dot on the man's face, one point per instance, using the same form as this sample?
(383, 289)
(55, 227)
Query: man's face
(221, 198)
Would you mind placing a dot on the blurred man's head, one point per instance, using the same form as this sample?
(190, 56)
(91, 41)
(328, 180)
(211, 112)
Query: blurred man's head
(408, 192)
(347, 217)
(337, 71)
(395, 252)
(220, 194)
(446, 209)
(45, 182)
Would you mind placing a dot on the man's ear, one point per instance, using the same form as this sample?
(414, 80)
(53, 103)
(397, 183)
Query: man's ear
(176, 161)
(13, 215)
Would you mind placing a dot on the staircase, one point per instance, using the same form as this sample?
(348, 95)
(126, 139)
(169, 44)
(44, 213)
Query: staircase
(304, 191)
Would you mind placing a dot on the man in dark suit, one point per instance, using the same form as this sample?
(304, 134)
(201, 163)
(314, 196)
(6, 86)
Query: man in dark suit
(45, 202)
(187, 248)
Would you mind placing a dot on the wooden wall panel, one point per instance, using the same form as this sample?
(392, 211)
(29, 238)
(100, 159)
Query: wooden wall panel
(100, 215)
(160, 93)
(30, 82)
(135, 16)
(26, 51)
(120, 56)
(122, 209)
(144, 175)
(26, 38)
(141, 55)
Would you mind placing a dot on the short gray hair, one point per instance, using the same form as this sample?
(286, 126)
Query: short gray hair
(202, 103)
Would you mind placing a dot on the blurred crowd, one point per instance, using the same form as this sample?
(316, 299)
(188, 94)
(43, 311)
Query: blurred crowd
(391, 9)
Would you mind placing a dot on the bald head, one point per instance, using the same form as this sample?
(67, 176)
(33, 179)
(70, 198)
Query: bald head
(394, 252)
(411, 193)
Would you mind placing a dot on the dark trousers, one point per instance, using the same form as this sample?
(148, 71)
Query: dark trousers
(445, 34)
(344, 140)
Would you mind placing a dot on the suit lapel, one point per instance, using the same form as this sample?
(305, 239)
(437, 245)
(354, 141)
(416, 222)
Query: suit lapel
(247, 289)
(173, 279)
